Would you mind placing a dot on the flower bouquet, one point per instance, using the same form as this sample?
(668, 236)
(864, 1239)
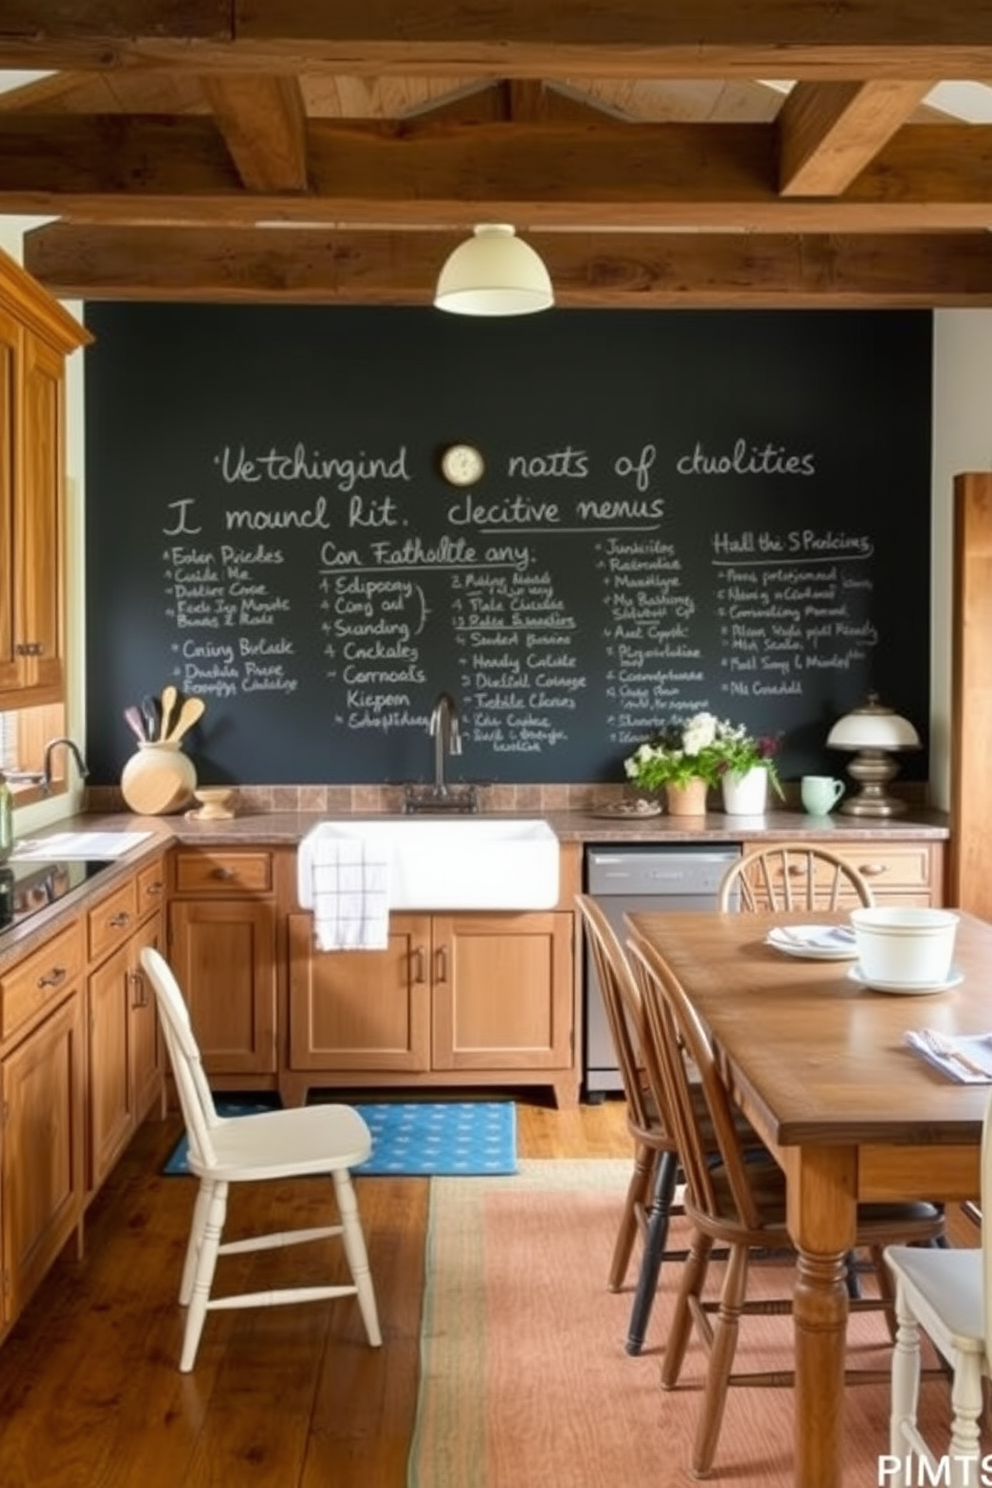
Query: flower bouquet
(701, 752)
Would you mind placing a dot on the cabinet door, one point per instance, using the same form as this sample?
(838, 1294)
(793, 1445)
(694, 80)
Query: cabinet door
(145, 1044)
(111, 1113)
(503, 991)
(38, 526)
(360, 1010)
(223, 953)
(42, 1171)
(10, 341)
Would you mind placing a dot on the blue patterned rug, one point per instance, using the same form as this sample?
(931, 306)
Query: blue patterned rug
(449, 1138)
(416, 1138)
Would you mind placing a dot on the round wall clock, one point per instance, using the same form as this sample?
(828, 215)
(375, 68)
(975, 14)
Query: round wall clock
(462, 464)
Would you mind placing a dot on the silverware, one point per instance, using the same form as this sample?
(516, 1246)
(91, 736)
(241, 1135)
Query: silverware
(946, 1051)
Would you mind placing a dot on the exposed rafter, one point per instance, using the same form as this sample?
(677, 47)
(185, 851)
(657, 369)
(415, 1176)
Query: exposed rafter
(290, 149)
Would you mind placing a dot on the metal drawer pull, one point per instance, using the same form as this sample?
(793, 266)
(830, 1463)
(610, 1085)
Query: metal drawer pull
(418, 956)
(119, 921)
(223, 873)
(153, 890)
(441, 959)
(53, 978)
(872, 870)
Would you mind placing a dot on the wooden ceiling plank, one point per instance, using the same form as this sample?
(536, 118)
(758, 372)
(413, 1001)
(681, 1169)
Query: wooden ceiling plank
(601, 270)
(264, 125)
(828, 132)
(178, 170)
(684, 38)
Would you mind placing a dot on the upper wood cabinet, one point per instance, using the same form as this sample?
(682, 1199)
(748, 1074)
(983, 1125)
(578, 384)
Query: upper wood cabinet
(36, 336)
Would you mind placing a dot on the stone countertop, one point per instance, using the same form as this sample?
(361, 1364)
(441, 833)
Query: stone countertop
(286, 828)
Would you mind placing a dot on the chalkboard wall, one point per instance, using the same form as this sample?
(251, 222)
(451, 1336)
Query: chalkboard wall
(678, 511)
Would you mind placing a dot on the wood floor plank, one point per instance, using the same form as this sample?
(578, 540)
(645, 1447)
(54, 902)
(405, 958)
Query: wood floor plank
(291, 1397)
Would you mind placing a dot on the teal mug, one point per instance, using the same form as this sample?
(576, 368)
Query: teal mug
(820, 793)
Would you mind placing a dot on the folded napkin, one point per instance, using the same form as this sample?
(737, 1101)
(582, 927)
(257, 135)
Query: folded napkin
(966, 1058)
(815, 937)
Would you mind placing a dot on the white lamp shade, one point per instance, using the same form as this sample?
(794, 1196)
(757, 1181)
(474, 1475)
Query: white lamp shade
(494, 273)
(873, 727)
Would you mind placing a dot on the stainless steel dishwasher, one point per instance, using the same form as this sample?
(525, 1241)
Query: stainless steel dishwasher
(646, 877)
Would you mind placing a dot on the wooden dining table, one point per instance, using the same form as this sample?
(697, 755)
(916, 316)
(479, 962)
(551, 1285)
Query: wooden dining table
(818, 1063)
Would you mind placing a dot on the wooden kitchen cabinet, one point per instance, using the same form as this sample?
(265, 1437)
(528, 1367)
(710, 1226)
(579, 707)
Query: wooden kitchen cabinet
(907, 873)
(124, 1050)
(461, 999)
(36, 335)
(42, 1090)
(222, 947)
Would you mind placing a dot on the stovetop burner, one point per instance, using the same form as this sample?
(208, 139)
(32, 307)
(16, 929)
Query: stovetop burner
(27, 887)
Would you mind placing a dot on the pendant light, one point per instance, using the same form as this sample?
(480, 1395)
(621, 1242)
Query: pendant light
(494, 273)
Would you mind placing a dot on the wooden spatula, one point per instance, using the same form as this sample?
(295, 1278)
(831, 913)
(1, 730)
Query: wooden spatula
(191, 710)
(170, 697)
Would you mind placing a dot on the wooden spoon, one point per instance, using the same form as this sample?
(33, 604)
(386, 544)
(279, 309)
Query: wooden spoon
(191, 710)
(170, 697)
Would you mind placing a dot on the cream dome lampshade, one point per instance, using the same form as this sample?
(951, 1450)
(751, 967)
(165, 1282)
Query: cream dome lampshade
(494, 273)
(874, 733)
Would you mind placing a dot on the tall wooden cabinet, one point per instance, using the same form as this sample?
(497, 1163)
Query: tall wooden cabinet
(36, 336)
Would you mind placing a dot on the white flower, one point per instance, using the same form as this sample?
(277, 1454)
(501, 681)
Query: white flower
(699, 733)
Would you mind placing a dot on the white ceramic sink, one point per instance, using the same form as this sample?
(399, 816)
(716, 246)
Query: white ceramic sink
(468, 863)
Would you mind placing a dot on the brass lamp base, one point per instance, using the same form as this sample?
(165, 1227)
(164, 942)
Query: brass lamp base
(873, 769)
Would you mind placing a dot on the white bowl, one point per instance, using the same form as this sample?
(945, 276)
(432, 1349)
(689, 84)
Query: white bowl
(905, 946)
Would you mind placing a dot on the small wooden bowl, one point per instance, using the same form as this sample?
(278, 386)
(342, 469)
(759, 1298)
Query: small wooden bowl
(216, 802)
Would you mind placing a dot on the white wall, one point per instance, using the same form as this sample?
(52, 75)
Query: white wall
(962, 428)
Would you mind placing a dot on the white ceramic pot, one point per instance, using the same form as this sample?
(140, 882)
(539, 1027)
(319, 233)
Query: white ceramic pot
(908, 947)
(745, 794)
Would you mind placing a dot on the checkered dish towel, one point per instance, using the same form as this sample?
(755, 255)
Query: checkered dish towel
(345, 881)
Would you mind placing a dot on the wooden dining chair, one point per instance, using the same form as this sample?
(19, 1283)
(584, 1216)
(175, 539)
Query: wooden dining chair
(649, 1201)
(297, 1142)
(792, 875)
(947, 1293)
(735, 1201)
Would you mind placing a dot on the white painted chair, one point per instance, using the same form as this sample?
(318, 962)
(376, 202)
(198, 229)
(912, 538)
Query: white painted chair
(292, 1143)
(947, 1293)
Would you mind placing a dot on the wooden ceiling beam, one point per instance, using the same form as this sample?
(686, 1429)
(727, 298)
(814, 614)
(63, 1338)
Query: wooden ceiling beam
(177, 170)
(829, 132)
(497, 38)
(264, 125)
(637, 270)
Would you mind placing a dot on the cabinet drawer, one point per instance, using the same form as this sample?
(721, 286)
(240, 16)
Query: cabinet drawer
(203, 872)
(112, 921)
(151, 887)
(40, 979)
(890, 867)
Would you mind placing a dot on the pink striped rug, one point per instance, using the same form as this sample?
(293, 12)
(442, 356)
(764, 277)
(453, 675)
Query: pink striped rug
(525, 1382)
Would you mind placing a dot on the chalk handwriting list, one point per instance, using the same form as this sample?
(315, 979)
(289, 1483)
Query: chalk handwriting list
(568, 583)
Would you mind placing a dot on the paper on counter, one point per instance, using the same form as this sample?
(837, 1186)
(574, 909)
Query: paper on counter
(62, 845)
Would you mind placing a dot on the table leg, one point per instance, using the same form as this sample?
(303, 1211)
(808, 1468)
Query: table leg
(822, 1219)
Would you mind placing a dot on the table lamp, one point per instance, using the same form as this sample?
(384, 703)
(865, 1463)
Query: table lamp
(875, 733)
